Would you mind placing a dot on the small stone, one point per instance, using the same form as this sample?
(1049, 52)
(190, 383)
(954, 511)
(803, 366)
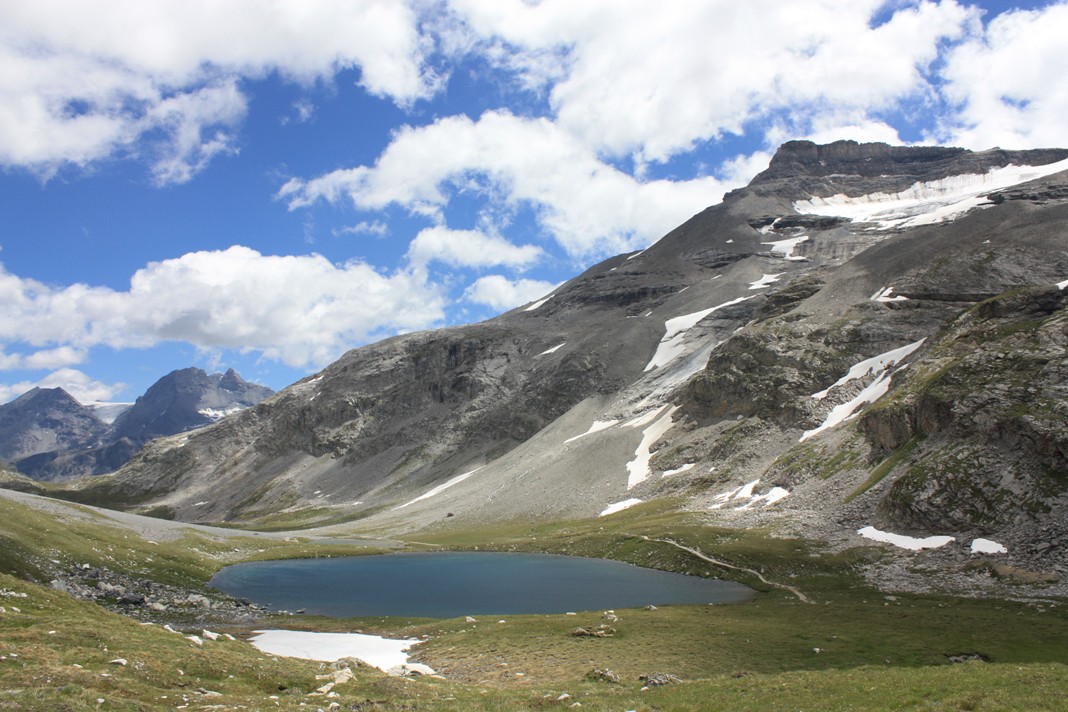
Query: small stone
(469, 619)
(117, 661)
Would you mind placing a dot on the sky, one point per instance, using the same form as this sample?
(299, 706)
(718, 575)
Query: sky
(263, 186)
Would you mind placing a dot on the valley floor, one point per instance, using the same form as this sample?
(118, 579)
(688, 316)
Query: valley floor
(852, 647)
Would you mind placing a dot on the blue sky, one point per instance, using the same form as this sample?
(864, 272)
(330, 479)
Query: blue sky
(263, 186)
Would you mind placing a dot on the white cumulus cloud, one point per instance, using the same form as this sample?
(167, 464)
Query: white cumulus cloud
(469, 248)
(591, 208)
(501, 293)
(84, 81)
(302, 310)
(653, 79)
(1008, 82)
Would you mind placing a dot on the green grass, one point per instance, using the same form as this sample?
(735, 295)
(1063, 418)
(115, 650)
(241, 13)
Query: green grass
(885, 468)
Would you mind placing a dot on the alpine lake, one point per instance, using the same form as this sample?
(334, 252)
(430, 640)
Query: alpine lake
(453, 584)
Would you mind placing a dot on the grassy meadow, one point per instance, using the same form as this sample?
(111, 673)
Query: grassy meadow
(852, 648)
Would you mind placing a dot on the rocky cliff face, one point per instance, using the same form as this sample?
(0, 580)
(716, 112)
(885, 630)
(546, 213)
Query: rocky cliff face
(866, 335)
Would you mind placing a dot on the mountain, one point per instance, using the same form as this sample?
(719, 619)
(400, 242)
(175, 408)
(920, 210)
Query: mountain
(187, 399)
(48, 435)
(46, 419)
(865, 336)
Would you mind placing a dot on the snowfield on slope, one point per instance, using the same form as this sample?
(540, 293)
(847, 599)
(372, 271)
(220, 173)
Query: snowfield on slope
(905, 542)
(671, 344)
(440, 488)
(929, 202)
(882, 365)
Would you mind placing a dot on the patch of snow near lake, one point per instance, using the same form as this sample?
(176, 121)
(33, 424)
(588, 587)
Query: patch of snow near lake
(883, 295)
(786, 247)
(904, 542)
(765, 281)
(986, 546)
(440, 488)
(671, 344)
(598, 426)
(638, 468)
(619, 506)
(379, 652)
(929, 202)
(687, 466)
(553, 350)
(869, 366)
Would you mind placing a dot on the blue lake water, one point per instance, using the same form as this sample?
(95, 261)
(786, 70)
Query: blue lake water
(451, 584)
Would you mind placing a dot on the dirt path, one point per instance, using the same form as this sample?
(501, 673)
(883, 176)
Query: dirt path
(800, 596)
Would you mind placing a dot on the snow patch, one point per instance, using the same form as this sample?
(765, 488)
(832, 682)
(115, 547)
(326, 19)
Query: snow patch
(904, 542)
(636, 254)
(440, 488)
(671, 344)
(598, 425)
(538, 303)
(638, 468)
(881, 364)
(553, 350)
(220, 413)
(687, 466)
(747, 491)
(765, 281)
(1062, 285)
(644, 418)
(619, 506)
(743, 498)
(868, 366)
(379, 652)
(883, 295)
(785, 248)
(986, 546)
(926, 203)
